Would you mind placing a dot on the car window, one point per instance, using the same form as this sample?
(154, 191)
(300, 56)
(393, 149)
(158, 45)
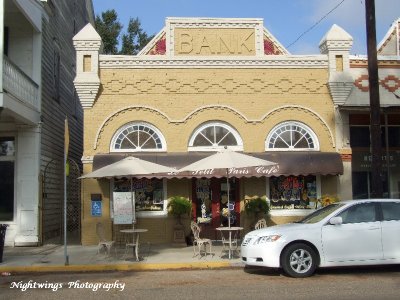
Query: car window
(390, 211)
(320, 214)
(359, 213)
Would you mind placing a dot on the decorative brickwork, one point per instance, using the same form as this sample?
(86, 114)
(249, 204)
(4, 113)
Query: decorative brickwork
(285, 110)
(362, 83)
(214, 85)
(346, 157)
(159, 47)
(390, 83)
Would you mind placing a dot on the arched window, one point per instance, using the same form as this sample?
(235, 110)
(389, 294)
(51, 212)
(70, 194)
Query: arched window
(291, 135)
(138, 137)
(213, 136)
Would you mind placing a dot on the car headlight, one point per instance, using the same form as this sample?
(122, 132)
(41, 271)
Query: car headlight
(267, 239)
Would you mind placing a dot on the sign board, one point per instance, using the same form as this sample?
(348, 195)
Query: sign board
(123, 208)
(96, 208)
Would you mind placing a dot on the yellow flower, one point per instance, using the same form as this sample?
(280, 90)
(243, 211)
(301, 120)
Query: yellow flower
(225, 212)
(327, 199)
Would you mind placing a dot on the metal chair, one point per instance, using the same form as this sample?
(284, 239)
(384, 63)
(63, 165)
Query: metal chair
(198, 241)
(262, 223)
(103, 242)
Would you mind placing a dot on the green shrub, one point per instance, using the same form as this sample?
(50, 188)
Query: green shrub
(256, 206)
(178, 206)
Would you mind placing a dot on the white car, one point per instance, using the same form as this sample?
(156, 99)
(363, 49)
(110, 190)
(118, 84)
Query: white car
(348, 233)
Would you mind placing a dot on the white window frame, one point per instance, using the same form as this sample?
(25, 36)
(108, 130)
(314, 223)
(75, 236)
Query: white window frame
(143, 214)
(291, 212)
(214, 147)
(138, 149)
(303, 126)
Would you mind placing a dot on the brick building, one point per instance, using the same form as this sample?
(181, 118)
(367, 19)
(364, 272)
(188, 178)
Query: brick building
(201, 85)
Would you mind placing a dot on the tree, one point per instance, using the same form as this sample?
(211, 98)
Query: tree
(109, 28)
(135, 38)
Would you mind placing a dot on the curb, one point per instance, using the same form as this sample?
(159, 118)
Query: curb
(117, 267)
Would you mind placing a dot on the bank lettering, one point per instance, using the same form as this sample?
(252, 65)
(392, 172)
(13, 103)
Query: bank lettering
(216, 44)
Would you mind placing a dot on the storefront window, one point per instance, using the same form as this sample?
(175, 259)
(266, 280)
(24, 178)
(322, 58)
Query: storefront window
(7, 178)
(361, 161)
(293, 192)
(148, 193)
(291, 136)
(213, 136)
(138, 136)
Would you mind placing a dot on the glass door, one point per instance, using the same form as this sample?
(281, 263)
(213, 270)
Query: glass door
(210, 204)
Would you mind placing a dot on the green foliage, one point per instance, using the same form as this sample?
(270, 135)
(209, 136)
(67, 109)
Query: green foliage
(179, 206)
(256, 206)
(135, 39)
(109, 29)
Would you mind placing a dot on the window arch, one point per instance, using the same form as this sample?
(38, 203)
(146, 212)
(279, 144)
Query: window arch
(213, 136)
(291, 136)
(138, 137)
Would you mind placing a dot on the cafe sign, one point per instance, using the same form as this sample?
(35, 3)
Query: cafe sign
(232, 172)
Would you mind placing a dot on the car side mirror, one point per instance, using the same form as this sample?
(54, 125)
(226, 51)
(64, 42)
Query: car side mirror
(336, 221)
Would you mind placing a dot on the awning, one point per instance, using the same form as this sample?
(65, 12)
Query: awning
(288, 163)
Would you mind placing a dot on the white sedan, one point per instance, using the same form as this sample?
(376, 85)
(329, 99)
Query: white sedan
(348, 233)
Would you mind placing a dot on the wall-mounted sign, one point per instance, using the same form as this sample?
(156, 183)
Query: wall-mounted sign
(96, 209)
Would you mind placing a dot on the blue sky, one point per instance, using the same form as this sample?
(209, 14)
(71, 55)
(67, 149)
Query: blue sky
(285, 19)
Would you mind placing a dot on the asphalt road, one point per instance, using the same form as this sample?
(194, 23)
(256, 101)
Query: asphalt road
(361, 283)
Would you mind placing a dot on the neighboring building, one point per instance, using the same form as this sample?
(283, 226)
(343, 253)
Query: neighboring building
(348, 82)
(36, 96)
(201, 85)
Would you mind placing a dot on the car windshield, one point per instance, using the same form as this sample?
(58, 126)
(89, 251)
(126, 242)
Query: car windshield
(321, 213)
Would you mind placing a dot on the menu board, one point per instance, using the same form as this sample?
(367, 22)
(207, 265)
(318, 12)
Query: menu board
(123, 208)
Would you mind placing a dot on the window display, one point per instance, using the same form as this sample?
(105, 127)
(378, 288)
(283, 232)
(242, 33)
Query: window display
(149, 193)
(293, 192)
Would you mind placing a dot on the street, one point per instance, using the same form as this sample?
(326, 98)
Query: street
(355, 283)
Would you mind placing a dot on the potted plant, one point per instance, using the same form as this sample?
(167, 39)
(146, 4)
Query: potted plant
(179, 206)
(256, 206)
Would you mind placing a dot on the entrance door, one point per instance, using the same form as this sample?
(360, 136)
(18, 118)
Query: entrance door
(210, 202)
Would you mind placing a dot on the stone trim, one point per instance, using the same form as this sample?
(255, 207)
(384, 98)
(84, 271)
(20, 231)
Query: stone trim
(163, 62)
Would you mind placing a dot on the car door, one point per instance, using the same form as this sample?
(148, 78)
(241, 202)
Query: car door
(357, 239)
(391, 230)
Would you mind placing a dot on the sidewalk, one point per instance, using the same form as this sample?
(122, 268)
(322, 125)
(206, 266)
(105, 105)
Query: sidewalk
(51, 258)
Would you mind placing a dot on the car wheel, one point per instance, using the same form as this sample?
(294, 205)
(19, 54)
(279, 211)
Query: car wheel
(299, 260)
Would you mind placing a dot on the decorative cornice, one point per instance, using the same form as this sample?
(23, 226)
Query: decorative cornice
(161, 62)
(87, 92)
(340, 91)
(87, 45)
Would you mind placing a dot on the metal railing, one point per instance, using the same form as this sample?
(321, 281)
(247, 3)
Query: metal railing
(18, 84)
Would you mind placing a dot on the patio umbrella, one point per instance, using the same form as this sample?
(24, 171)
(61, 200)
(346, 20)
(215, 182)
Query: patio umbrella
(226, 160)
(129, 167)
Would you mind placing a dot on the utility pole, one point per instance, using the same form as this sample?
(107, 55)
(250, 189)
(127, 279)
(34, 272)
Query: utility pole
(375, 118)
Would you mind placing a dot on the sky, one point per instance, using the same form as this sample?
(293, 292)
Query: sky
(299, 25)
